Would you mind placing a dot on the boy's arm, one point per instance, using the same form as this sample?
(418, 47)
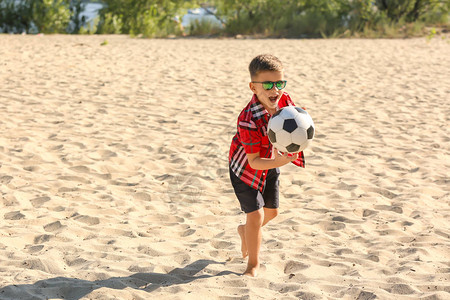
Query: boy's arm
(260, 163)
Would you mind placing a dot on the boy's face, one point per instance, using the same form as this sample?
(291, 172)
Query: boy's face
(268, 98)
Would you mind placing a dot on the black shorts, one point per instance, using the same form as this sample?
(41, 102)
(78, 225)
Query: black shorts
(251, 199)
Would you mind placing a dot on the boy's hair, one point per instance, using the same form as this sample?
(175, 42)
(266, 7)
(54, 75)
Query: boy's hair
(264, 62)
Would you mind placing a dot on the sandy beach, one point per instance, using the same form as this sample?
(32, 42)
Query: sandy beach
(114, 170)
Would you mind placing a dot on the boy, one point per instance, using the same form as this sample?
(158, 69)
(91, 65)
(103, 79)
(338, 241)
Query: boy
(253, 163)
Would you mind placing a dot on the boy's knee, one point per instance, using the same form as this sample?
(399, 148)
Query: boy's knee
(275, 213)
(271, 212)
(255, 217)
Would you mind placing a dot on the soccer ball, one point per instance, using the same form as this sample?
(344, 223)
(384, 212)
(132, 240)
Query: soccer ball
(290, 129)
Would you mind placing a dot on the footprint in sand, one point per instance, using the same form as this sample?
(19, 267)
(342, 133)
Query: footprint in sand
(331, 226)
(51, 227)
(122, 183)
(396, 209)
(274, 244)
(14, 215)
(343, 251)
(285, 287)
(80, 169)
(187, 232)
(32, 168)
(142, 196)
(369, 212)
(43, 238)
(346, 220)
(34, 248)
(308, 296)
(294, 266)
(182, 259)
(5, 179)
(43, 265)
(75, 262)
(235, 283)
(141, 269)
(75, 178)
(373, 257)
(383, 192)
(221, 244)
(366, 296)
(37, 202)
(149, 251)
(102, 155)
(400, 289)
(88, 220)
(67, 189)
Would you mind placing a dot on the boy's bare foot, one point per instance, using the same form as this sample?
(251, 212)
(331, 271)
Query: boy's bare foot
(241, 231)
(252, 271)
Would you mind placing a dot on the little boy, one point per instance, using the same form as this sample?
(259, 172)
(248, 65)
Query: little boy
(253, 163)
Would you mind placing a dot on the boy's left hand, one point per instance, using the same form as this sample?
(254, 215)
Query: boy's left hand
(289, 156)
(293, 156)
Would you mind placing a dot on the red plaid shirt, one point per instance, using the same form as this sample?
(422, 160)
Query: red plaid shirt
(251, 137)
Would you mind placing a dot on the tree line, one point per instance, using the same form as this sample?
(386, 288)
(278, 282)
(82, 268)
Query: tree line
(267, 18)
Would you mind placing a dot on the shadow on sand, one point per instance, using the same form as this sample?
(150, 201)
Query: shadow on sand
(73, 289)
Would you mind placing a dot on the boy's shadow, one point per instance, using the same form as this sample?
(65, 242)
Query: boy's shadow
(74, 289)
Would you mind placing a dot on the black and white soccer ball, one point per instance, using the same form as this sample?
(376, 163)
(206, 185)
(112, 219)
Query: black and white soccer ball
(291, 129)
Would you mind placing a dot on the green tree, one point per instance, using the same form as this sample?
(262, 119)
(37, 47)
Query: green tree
(150, 18)
(47, 16)
(51, 16)
(315, 18)
(282, 17)
(15, 16)
(275, 18)
(412, 10)
(77, 22)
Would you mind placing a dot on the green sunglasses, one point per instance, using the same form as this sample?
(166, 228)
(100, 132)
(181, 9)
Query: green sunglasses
(268, 85)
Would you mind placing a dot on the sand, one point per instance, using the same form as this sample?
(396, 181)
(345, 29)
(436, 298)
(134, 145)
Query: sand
(114, 176)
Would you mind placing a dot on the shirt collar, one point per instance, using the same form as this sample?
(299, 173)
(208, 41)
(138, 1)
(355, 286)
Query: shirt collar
(258, 109)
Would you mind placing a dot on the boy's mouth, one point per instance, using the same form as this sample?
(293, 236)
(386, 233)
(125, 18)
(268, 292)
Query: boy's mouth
(273, 99)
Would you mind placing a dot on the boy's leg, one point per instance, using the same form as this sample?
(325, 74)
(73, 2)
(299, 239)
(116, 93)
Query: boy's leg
(241, 231)
(253, 237)
(251, 200)
(259, 218)
(269, 214)
(257, 215)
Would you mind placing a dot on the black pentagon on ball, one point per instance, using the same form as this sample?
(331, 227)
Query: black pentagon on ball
(301, 110)
(272, 136)
(290, 125)
(293, 148)
(310, 132)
